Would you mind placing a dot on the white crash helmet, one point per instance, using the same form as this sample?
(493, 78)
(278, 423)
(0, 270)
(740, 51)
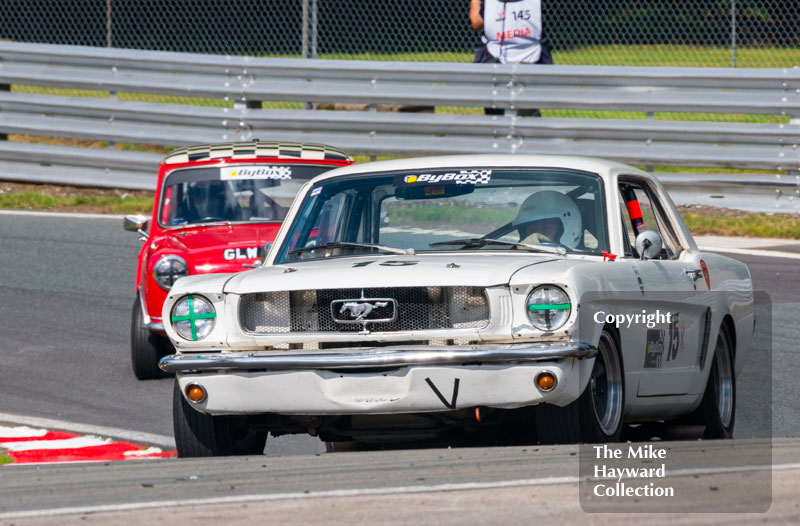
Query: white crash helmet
(549, 204)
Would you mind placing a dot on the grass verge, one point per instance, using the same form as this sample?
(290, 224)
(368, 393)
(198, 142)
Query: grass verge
(723, 222)
(620, 55)
(701, 220)
(5, 459)
(102, 204)
(56, 198)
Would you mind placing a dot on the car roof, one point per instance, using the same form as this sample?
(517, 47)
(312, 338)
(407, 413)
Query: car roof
(255, 149)
(603, 167)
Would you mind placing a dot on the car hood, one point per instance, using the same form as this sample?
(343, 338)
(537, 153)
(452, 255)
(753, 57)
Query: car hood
(221, 248)
(479, 270)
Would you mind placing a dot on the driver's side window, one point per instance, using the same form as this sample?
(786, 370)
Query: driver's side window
(640, 213)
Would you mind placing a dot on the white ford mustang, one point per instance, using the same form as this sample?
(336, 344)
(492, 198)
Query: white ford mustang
(555, 298)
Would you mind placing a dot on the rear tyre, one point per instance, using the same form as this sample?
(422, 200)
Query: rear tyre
(597, 415)
(202, 435)
(718, 408)
(146, 348)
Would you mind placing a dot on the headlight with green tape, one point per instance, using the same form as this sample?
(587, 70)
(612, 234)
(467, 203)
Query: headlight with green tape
(193, 317)
(549, 307)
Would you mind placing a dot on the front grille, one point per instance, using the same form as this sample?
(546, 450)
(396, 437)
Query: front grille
(265, 312)
(418, 308)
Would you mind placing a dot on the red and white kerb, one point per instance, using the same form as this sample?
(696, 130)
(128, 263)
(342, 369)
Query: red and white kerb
(24, 445)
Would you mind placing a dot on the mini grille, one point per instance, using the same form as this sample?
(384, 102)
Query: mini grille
(418, 308)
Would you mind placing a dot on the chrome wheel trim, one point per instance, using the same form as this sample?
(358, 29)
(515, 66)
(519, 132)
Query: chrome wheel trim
(723, 381)
(606, 385)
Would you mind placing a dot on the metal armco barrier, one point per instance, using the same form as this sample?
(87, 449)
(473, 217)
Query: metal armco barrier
(176, 83)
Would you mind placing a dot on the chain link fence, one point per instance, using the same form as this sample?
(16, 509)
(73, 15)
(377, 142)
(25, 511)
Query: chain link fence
(723, 33)
(744, 33)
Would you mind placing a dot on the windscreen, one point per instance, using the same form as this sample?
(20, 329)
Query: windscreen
(232, 193)
(426, 210)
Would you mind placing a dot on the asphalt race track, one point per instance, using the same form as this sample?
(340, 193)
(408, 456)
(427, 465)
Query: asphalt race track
(66, 290)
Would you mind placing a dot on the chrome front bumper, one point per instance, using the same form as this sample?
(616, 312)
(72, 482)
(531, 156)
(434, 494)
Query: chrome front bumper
(396, 379)
(381, 357)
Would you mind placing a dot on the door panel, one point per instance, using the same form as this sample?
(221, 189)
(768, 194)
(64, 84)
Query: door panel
(666, 353)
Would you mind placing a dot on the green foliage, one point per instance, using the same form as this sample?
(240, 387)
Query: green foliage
(699, 222)
(743, 225)
(677, 56)
(98, 203)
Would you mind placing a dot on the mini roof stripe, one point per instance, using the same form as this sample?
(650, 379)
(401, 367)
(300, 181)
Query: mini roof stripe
(280, 150)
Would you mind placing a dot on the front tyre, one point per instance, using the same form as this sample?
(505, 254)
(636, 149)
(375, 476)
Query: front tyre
(146, 348)
(597, 415)
(202, 435)
(603, 400)
(718, 408)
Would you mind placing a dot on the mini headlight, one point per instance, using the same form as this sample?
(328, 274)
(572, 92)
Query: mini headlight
(548, 307)
(168, 269)
(193, 317)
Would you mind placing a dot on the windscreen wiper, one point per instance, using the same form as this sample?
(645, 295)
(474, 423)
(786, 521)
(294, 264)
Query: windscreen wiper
(475, 242)
(345, 244)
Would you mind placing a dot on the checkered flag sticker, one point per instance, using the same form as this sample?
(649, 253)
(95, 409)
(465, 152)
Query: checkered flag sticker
(475, 177)
(250, 149)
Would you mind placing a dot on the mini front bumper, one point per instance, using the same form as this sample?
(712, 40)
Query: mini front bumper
(154, 326)
(398, 379)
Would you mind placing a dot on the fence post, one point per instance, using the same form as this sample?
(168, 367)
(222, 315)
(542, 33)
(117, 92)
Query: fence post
(733, 33)
(109, 36)
(310, 22)
(108, 23)
(4, 87)
(314, 19)
(304, 41)
(312, 25)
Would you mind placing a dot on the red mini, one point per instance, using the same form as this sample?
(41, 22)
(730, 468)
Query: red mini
(217, 208)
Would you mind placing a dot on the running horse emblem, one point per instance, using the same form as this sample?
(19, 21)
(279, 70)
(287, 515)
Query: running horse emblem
(360, 310)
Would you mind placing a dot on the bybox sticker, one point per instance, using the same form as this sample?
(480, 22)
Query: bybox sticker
(231, 173)
(459, 177)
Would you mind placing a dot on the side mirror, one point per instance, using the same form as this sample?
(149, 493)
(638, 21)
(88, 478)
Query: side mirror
(649, 244)
(265, 252)
(136, 223)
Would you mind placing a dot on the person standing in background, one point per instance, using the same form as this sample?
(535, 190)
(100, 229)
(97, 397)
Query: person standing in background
(476, 21)
(512, 34)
